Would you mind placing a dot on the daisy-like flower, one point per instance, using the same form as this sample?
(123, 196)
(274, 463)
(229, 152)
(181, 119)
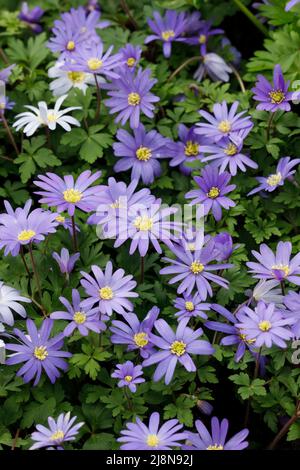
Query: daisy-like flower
(109, 290)
(66, 223)
(84, 320)
(61, 430)
(5, 73)
(188, 149)
(138, 436)
(65, 80)
(273, 96)
(291, 4)
(222, 246)
(213, 187)
(19, 227)
(31, 17)
(129, 375)
(190, 306)
(194, 269)
(203, 34)
(292, 302)
(65, 262)
(166, 29)
(277, 266)
(214, 66)
(225, 154)
(42, 116)
(84, 20)
(66, 41)
(130, 96)
(216, 440)
(176, 347)
(268, 291)
(39, 352)
(92, 60)
(224, 123)
(131, 56)
(135, 333)
(283, 171)
(265, 325)
(9, 301)
(67, 194)
(140, 152)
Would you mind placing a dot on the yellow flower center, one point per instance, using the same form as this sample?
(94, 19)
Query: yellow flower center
(60, 219)
(196, 267)
(282, 267)
(134, 99)
(166, 35)
(213, 192)
(202, 39)
(143, 223)
(2, 105)
(79, 318)
(76, 77)
(128, 378)
(178, 348)
(72, 195)
(264, 325)
(51, 117)
(40, 353)
(190, 307)
(26, 235)
(117, 204)
(275, 179)
(58, 435)
(94, 63)
(191, 149)
(215, 447)
(244, 338)
(152, 440)
(277, 96)
(106, 293)
(141, 339)
(71, 46)
(130, 61)
(224, 126)
(191, 246)
(143, 154)
(231, 150)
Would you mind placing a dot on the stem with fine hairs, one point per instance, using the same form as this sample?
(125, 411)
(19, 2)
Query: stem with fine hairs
(183, 65)
(284, 430)
(238, 77)
(35, 272)
(255, 375)
(98, 92)
(9, 134)
(142, 269)
(75, 242)
(130, 17)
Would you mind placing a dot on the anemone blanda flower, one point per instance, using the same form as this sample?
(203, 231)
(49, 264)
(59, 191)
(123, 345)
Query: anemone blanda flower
(224, 123)
(292, 302)
(190, 306)
(214, 66)
(129, 375)
(222, 246)
(140, 152)
(135, 333)
(19, 227)
(216, 440)
(31, 17)
(130, 96)
(66, 223)
(187, 149)
(42, 116)
(9, 301)
(38, 351)
(277, 266)
(61, 430)
(194, 269)
(203, 34)
(65, 262)
(193, 22)
(283, 171)
(175, 347)
(5, 105)
(166, 29)
(109, 290)
(83, 20)
(291, 4)
(269, 292)
(65, 80)
(5, 73)
(84, 320)
(66, 194)
(272, 96)
(265, 325)
(66, 41)
(138, 436)
(212, 189)
(130, 56)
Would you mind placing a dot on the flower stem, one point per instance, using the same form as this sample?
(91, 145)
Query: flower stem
(183, 65)
(3, 56)
(238, 77)
(128, 398)
(125, 7)
(142, 269)
(284, 430)
(98, 92)
(251, 17)
(9, 134)
(24, 262)
(270, 122)
(15, 440)
(36, 274)
(75, 242)
(282, 288)
(255, 375)
(47, 132)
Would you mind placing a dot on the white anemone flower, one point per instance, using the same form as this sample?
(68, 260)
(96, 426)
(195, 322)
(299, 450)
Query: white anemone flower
(41, 115)
(9, 300)
(66, 80)
(215, 67)
(269, 292)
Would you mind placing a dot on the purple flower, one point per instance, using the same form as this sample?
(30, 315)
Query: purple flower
(5, 73)
(225, 154)
(193, 268)
(203, 34)
(18, 228)
(224, 123)
(31, 17)
(167, 29)
(130, 96)
(190, 306)
(66, 41)
(140, 152)
(129, 375)
(283, 171)
(131, 56)
(84, 21)
(175, 347)
(82, 319)
(65, 262)
(92, 6)
(110, 290)
(221, 246)
(217, 439)
(272, 96)
(213, 187)
(135, 333)
(193, 22)
(292, 302)
(38, 352)
(205, 407)
(291, 4)
(66, 223)
(61, 430)
(5, 105)
(265, 325)
(66, 194)
(187, 150)
(138, 436)
(278, 266)
(214, 66)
